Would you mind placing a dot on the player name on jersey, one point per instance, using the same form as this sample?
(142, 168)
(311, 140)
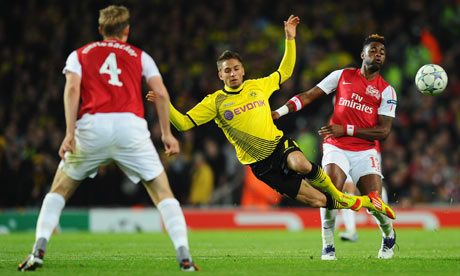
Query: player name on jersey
(115, 45)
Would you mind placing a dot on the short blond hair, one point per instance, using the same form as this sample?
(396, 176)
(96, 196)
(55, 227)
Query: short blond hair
(113, 20)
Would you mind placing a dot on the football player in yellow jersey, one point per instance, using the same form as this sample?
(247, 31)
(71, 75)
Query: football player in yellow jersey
(241, 109)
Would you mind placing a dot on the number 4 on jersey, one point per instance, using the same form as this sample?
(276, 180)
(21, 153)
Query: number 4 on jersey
(110, 67)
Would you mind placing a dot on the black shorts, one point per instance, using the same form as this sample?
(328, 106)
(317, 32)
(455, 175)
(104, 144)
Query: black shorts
(274, 170)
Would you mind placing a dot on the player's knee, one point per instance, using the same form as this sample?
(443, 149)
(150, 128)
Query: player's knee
(64, 185)
(299, 165)
(64, 191)
(303, 167)
(158, 190)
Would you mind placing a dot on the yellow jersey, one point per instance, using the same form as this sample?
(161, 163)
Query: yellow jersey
(243, 114)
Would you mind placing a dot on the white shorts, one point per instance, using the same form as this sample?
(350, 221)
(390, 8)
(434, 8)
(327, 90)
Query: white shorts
(353, 163)
(105, 137)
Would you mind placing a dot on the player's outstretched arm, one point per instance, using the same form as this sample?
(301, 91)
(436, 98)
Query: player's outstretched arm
(180, 121)
(288, 62)
(290, 26)
(298, 102)
(71, 102)
(162, 106)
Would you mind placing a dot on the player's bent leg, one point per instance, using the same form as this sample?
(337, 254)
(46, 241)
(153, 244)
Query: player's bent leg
(311, 196)
(62, 189)
(318, 178)
(173, 219)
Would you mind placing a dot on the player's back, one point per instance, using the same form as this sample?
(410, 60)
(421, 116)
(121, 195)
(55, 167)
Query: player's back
(111, 78)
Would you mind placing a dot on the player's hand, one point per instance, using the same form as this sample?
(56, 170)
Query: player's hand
(275, 115)
(171, 144)
(151, 96)
(290, 26)
(68, 144)
(332, 131)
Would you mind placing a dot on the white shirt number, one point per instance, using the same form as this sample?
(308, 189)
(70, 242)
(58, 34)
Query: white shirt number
(110, 67)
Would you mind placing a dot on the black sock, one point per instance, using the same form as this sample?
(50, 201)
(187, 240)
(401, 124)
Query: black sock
(329, 201)
(314, 171)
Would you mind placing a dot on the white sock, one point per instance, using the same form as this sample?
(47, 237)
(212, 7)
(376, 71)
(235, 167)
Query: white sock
(328, 226)
(174, 221)
(49, 215)
(349, 219)
(384, 223)
(384, 195)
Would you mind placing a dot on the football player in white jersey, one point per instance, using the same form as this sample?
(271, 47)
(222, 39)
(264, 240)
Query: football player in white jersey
(364, 111)
(106, 76)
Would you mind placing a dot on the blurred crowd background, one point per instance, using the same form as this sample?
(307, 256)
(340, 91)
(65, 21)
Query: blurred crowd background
(421, 157)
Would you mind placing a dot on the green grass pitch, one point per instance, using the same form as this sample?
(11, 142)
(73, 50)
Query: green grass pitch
(237, 253)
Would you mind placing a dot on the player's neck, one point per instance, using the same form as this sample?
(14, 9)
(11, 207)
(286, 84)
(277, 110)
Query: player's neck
(230, 89)
(368, 74)
(122, 39)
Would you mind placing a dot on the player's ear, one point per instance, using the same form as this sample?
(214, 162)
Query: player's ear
(126, 31)
(100, 30)
(362, 54)
(220, 75)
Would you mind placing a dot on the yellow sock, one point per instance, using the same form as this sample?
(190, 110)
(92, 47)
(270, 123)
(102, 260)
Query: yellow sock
(318, 178)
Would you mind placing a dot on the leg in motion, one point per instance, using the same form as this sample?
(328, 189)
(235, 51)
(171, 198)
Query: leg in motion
(328, 216)
(372, 184)
(61, 190)
(318, 178)
(173, 219)
(309, 195)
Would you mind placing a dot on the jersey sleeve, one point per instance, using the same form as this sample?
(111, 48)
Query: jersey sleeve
(149, 68)
(202, 113)
(388, 103)
(329, 83)
(271, 83)
(288, 62)
(72, 64)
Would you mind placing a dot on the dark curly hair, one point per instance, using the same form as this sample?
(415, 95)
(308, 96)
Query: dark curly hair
(373, 38)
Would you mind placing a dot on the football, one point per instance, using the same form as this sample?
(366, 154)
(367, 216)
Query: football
(431, 79)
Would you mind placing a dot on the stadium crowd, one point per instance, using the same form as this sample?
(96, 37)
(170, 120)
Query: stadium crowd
(421, 158)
